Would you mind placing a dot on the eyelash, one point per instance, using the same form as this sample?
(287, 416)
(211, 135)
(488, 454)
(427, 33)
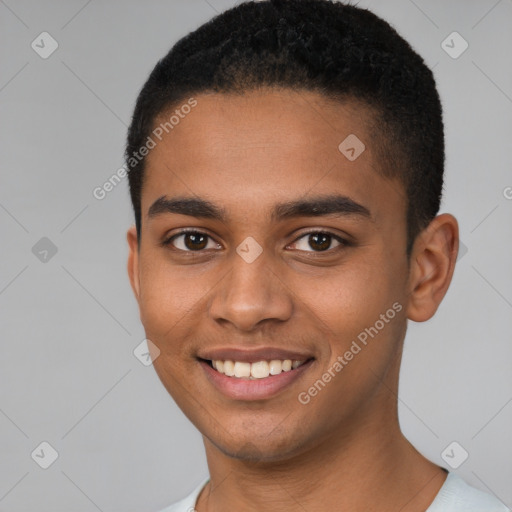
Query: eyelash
(342, 241)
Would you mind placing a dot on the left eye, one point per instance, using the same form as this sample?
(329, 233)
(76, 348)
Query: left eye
(319, 241)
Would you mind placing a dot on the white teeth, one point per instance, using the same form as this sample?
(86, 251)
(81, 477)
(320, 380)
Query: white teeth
(275, 367)
(229, 368)
(258, 370)
(242, 369)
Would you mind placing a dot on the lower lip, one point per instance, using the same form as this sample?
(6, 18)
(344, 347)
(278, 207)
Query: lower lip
(253, 389)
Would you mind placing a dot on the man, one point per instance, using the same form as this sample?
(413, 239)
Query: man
(286, 166)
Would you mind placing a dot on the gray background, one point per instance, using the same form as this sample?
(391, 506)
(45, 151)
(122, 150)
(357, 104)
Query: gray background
(69, 324)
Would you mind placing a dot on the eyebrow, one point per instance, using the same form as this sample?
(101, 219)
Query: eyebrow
(334, 205)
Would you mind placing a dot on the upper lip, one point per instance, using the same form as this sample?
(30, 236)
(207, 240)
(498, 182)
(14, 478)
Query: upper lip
(252, 355)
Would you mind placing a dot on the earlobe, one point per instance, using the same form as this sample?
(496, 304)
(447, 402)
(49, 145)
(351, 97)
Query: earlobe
(133, 261)
(432, 264)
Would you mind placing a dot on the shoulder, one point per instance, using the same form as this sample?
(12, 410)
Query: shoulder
(187, 504)
(457, 496)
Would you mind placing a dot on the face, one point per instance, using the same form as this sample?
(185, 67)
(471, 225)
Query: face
(263, 243)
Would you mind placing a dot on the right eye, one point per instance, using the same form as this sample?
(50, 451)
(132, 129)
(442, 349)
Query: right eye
(191, 241)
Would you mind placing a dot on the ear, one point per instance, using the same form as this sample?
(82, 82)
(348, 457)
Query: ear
(433, 259)
(133, 261)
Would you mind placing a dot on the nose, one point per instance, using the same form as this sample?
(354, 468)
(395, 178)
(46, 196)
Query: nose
(250, 294)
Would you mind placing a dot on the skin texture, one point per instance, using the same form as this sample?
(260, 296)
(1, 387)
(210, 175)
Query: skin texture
(344, 449)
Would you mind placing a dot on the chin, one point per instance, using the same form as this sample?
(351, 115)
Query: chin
(263, 448)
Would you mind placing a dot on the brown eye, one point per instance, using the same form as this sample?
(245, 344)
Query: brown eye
(190, 241)
(195, 241)
(318, 241)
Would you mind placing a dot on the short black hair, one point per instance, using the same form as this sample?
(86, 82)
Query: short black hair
(338, 50)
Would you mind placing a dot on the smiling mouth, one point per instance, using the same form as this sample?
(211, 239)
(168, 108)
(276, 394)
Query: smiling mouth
(257, 370)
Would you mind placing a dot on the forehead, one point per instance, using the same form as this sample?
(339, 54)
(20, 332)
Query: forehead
(270, 122)
(254, 149)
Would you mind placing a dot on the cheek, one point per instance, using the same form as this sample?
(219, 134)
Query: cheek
(350, 299)
(168, 297)
(362, 309)
(173, 308)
